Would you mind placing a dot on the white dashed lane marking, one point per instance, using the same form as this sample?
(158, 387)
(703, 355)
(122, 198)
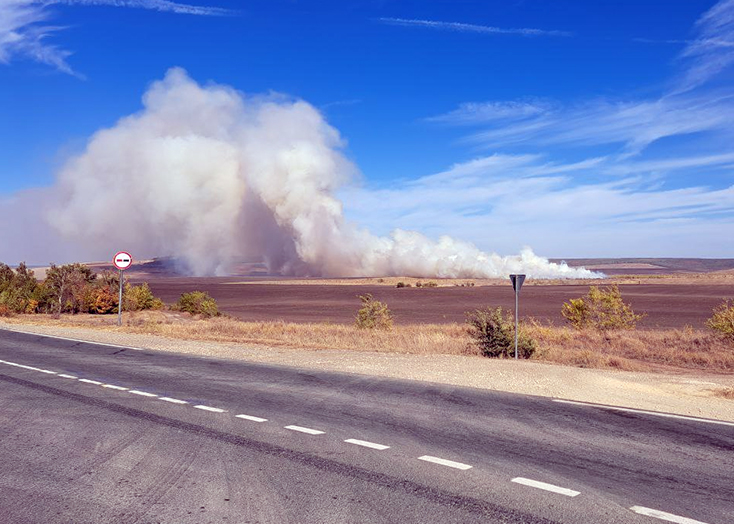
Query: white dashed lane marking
(668, 517)
(366, 444)
(142, 393)
(444, 462)
(112, 386)
(64, 375)
(644, 412)
(209, 408)
(48, 372)
(546, 487)
(253, 419)
(90, 381)
(305, 430)
(172, 400)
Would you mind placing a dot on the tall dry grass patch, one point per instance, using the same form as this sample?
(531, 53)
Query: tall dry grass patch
(647, 350)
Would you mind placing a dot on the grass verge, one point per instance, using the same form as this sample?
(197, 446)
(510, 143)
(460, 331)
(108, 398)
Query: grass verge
(640, 350)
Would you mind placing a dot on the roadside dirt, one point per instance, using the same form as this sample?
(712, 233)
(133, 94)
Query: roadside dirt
(690, 393)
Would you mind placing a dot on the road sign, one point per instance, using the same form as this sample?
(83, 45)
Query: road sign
(517, 281)
(122, 260)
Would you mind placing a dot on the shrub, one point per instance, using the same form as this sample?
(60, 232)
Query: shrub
(723, 320)
(601, 309)
(198, 303)
(100, 300)
(493, 333)
(430, 284)
(373, 314)
(400, 284)
(16, 287)
(5, 311)
(419, 284)
(139, 298)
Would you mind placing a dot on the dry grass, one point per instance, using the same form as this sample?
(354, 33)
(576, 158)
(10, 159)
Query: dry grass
(649, 350)
(725, 393)
(646, 350)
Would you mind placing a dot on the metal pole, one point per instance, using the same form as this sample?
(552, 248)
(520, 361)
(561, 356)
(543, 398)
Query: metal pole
(119, 304)
(517, 293)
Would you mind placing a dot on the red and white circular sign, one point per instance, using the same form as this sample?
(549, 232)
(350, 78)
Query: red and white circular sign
(122, 260)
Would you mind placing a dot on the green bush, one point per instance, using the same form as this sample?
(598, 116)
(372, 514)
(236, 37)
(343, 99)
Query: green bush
(139, 298)
(722, 320)
(198, 303)
(601, 309)
(493, 333)
(373, 314)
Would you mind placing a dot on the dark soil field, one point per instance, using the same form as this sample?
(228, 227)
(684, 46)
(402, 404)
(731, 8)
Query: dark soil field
(666, 305)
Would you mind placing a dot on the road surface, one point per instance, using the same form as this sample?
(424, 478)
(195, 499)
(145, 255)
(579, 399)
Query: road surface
(91, 433)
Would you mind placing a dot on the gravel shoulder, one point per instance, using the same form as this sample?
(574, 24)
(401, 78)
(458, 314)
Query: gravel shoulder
(689, 393)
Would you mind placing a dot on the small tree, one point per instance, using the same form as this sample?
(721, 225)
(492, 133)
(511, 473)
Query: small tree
(373, 314)
(139, 298)
(601, 309)
(198, 303)
(67, 286)
(493, 333)
(722, 320)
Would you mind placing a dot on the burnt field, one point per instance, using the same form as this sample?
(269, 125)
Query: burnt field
(666, 305)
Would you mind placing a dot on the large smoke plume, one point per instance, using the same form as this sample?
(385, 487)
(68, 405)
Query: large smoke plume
(210, 175)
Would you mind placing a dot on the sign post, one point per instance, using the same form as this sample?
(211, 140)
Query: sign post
(122, 261)
(517, 281)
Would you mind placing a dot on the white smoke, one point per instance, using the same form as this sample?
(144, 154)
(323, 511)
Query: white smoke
(210, 175)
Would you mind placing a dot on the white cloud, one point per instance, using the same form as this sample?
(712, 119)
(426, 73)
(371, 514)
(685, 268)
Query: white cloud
(24, 31)
(513, 200)
(471, 28)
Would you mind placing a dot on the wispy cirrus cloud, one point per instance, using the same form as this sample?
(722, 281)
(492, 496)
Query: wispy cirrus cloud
(651, 176)
(25, 30)
(688, 107)
(471, 28)
(712, 51)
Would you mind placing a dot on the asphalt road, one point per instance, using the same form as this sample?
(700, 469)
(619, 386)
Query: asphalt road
(96, 434)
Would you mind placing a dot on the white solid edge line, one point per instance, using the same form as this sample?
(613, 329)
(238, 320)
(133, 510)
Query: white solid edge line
(546, 486)
(64, 375)
(250, 417)
(112, 386)
(444, 462)
(367, 444)
(72, 339)
(172, 400)
(644, 412)
(142, 393)
(209, 408)
(90, 381)
(305, 430)
(664, 516)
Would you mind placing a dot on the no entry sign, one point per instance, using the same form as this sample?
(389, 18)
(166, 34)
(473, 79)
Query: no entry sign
(122, 260)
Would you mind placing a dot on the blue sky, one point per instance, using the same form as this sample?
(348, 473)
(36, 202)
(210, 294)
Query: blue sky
(579, 128)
